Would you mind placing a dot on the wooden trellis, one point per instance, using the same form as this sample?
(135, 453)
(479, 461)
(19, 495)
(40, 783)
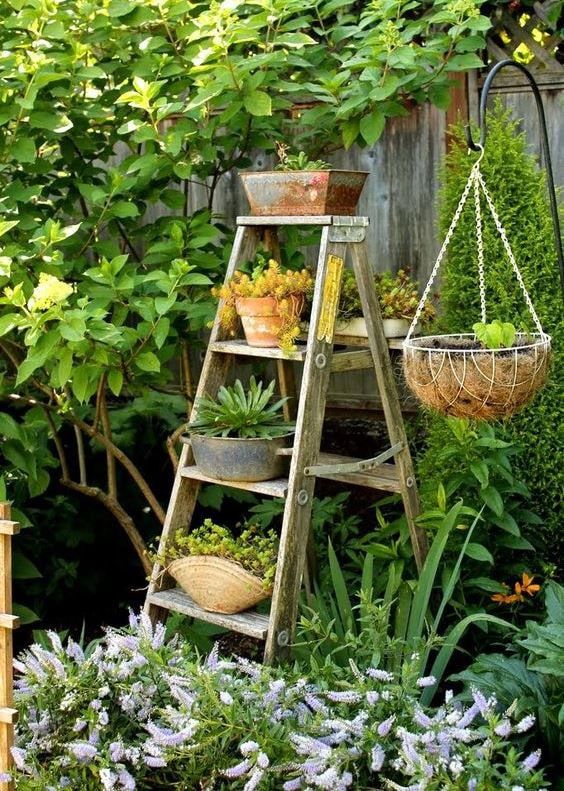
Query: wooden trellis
(512, 33)
(8, 622)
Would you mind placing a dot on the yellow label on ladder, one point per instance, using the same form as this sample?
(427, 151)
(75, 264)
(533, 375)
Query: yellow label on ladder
(330, 301)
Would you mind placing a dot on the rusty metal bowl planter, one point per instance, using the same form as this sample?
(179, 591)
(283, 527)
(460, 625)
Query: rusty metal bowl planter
(240, 459)
(303, 192)
(454, 375)
(218, 584)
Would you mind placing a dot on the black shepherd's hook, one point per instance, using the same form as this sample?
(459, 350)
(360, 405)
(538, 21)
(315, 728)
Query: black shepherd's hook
(544, 139)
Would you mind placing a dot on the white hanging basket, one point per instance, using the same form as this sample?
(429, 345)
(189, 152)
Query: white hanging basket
(455, 374)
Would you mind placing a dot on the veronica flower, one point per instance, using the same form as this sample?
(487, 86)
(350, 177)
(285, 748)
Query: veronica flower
(20, 758)
(531, 761)
(372, 697)
(126, 780)
(481, 702)
(248, 747)
(292, 785)
(348, 696)
(503, 728)
(377, 756)
(154, 761)
(83, 751)
(525, 724)
(254, 780)
(225, 698)
(426, 681)
(379, 675)
(238, 770)
(469, 716)
(386, 725)
(108, 779)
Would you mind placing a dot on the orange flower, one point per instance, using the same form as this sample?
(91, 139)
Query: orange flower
(524, 586)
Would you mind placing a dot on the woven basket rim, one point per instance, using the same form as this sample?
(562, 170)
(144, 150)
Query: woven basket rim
(415, 344)
(219, 562)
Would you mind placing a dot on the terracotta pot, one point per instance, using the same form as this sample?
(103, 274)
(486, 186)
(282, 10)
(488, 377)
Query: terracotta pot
(303, 192)
(260, 318)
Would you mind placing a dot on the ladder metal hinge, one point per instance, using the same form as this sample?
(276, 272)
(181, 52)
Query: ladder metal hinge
(354, 466)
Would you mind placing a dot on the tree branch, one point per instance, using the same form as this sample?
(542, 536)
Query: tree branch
(120, 514)
(110, 460)
(171, 442)
(81, 456)
(58, 444)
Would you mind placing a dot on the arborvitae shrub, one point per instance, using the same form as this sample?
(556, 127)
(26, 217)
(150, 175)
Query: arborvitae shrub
(518, 190)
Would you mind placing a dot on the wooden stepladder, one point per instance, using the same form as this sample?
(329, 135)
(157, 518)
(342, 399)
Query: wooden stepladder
(339, 235)
(8, 622)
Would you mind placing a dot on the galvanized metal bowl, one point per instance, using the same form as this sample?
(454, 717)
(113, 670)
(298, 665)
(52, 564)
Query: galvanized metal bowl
(236, 459)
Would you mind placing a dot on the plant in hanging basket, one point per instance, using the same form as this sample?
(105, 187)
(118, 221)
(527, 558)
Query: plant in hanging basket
(223, 572)
(239, 436)
(486, 375)
(398, 298)
(269, 302)
(300, 186)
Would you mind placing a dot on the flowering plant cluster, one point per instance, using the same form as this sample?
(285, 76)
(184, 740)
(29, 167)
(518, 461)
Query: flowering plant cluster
(255, 550)
(268, 279)
(397, 294)
(138, 712)
(525, 585)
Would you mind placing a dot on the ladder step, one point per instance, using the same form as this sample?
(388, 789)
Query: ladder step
(384, 478)
(352, 361)
(250, 622)
(278, 487)
(242, 348)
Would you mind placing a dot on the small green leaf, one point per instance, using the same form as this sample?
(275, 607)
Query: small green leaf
(115, 381)
(124, 209)
(25, 615)
(161, 332)
(258, 103)
(493, 499)
(8, 322)
(479, 552)
(23, 568)
(23, 150)
(480, 472)
(65, 367)
(372, 126)
(350, 131)
(147, 361)
(80, 381)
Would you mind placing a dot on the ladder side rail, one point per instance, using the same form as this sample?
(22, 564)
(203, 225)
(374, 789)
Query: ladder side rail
(297, 512)
(214, 371)
(389, 396)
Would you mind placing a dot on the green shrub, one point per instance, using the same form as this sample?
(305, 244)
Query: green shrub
(518, 191)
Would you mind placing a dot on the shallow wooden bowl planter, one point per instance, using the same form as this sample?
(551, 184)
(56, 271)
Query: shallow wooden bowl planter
(218, 584)
(261, 319)
(303, 192)
(237, 459)
(456, 376)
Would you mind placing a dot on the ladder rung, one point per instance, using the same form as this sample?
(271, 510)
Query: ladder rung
(240, 347)
(385, 478)
(363, 465)
(275, 488)
(252, 623)
(352, 361)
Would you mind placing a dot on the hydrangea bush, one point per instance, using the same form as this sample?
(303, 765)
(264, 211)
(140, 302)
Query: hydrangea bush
(140, 712)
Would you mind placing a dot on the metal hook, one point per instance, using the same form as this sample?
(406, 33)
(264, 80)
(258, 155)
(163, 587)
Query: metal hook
(544, 141)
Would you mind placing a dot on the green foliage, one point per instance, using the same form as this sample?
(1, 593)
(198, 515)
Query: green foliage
(236, 413)
(496, 335)
(518, 191)
(532, 674)
(254, 549)
(402, 628)
(299, 161)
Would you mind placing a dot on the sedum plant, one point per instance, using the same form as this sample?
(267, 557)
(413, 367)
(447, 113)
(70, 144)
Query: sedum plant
(236, 413)
(255, 550)
(268, 279)
(398, 296)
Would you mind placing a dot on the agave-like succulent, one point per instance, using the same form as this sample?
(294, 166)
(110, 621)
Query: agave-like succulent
(236, 413)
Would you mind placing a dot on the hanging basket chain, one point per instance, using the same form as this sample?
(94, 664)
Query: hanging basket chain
(442, 251)
(476, 179)
(480, 243)
(509, 252)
